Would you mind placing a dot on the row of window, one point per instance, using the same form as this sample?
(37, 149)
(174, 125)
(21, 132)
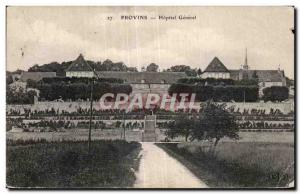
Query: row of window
(80, 74)
(215, 75)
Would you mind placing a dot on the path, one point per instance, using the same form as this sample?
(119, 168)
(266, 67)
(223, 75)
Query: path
(159, 170)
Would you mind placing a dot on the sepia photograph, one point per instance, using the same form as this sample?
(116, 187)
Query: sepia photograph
(150, 97)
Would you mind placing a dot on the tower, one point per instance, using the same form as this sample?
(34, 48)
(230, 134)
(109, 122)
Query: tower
(245, 66)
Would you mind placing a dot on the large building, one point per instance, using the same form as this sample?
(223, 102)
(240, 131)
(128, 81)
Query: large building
(36, 76)
(159, 82)
(141, 82)
(266, 78)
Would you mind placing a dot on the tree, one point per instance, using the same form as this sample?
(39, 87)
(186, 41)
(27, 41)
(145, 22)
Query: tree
(215, 122)
(191, 72)
(152, 67)
(19, 96)
(199, 71)
(182, 126)
(32, 83)
(180, 68)
(183, 68)
(9, 79)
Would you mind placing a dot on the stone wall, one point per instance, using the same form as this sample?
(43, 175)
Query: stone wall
(284, 107)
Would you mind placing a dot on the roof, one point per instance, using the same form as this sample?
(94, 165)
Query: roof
(36, 76)
(147, 77)
(216, 66)
(263, 75)
(79, 65)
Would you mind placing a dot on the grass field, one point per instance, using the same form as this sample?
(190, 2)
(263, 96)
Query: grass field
(68, 164)
(82, 135)
(238, 165)
(74, 135)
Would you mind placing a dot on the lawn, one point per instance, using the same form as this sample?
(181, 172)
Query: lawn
(238, 165)
(68, 164)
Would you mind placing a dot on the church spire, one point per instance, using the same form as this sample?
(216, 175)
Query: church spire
(246, 67)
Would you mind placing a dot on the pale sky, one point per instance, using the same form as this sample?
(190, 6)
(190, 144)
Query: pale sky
(39, 35)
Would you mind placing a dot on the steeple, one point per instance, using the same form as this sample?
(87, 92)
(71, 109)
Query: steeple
(245, 66)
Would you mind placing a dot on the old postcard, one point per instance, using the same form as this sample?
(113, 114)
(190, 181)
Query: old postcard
(140, 97)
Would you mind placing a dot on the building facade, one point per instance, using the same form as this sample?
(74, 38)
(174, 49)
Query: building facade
(159, 82)
(266, 78)
(216, 69)
(141, 82)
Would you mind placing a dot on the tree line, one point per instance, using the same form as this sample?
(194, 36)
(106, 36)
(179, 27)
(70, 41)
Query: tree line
(108, 65)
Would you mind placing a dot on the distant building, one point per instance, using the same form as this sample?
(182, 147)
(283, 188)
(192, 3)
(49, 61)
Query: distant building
(79, 68)
(146, 82)
(159, 82)
(216, 69)
(36, 76)
(266, 78)
(141, 82)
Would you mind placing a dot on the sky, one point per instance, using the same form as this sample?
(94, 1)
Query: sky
(39, 35)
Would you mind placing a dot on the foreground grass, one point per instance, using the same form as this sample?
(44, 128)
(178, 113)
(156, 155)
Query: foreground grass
(238, 165)
(68, 164)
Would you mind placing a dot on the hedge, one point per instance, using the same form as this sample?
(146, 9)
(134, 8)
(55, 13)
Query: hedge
(75, 91)
(217, 93)
(275, 93)
(218, 82)
(66, 88)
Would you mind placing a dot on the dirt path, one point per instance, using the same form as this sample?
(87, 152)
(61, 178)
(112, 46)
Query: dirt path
(159, 170)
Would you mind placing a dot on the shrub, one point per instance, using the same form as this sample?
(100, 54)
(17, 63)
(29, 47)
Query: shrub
(206, 81)
(275, 93)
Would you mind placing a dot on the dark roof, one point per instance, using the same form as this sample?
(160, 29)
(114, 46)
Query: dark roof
(79, 64)
(216, 66)
(263, 75)
(36, 76)
(148, 77)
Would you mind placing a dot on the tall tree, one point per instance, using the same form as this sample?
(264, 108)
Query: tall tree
(182, 126)
(183, 68)
(215, 122)
(199, 71)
